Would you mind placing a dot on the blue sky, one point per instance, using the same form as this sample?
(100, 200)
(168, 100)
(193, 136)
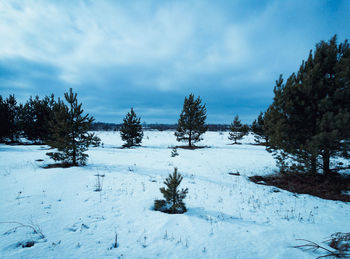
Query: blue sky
(151, 54)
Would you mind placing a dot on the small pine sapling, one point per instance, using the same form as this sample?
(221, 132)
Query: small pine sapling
(174, 152)
(173, 203)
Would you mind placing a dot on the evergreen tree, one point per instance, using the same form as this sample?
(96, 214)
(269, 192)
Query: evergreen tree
(174, 152)
(191, 124)
(309, 119)
(237, 130)
(258, 129)
(9, 110)
(4, 125)
(69, 131)
(173, 202)
(34, 118)
(131, 130)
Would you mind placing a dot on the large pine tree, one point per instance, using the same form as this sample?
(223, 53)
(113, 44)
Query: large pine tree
(191, 124)
(131, 130)
(69, 131)
(237, 130)
(309, 119)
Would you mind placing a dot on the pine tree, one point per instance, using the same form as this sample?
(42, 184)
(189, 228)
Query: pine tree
(131, 130)
(174, 152)
(191, 124)
(237, 130)
(258, 129)
(9, 111)
(173, 202)
(309, 119)
(69, 131)
(34, 118)
(4, 125)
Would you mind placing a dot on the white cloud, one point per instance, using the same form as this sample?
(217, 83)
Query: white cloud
(82, 36)
(112, 49)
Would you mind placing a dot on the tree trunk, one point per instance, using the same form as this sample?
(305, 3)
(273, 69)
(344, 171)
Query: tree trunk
(74, 153)
(266, 140)
(313, 165)
(74, 159)
(190, 139)
(326, 159)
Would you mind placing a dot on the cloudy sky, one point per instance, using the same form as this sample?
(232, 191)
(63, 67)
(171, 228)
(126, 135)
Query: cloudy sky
(151, 54)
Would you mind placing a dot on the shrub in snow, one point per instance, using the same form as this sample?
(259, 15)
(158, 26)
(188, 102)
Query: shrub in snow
(173, 202)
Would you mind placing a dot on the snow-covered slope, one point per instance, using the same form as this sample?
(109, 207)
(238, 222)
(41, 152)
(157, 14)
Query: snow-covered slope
(228, 216)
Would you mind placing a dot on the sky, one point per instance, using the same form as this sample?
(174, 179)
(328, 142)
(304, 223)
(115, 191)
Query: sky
(149, 55)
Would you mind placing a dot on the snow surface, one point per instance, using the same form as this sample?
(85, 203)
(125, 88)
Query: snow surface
(228, 216)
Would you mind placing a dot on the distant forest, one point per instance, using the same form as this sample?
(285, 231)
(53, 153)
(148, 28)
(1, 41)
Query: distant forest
(104, 126)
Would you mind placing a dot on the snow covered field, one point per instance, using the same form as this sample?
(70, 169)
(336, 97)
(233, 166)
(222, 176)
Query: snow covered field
(228, 216)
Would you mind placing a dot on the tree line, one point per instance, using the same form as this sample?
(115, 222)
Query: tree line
(57, 123)
(30, 120)
(307, 124)
(106, 126)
